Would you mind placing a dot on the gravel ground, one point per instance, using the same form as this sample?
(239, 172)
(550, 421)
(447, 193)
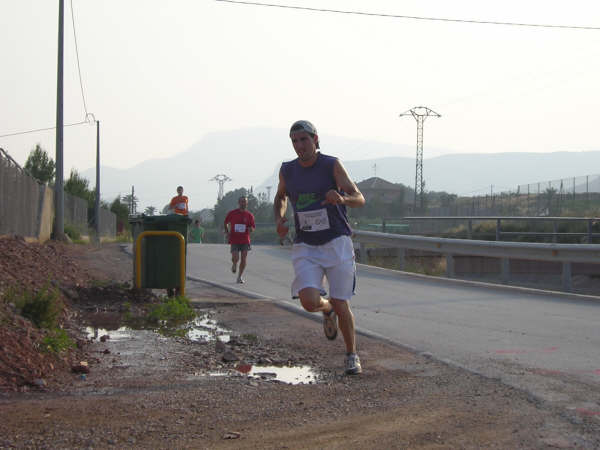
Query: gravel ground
(147, 390)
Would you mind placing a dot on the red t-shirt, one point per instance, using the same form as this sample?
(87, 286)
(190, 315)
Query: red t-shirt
(240, 223)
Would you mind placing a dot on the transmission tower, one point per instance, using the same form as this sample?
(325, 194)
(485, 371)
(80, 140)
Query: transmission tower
(269, 193)
(420, 113)
(220, 179)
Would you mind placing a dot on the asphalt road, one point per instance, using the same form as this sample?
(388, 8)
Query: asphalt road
(545, 343)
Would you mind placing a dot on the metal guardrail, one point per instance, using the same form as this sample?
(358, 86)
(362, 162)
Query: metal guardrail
(563, 253)
(499, 219)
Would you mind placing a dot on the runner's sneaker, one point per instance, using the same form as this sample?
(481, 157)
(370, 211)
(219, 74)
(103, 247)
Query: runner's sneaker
(240, 280)
(353, 366)
(330, 324)
(233, 268)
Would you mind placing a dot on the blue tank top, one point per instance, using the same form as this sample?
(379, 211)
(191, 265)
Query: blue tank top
(306, 187)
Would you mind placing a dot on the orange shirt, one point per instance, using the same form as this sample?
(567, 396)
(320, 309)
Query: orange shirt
(180, 204)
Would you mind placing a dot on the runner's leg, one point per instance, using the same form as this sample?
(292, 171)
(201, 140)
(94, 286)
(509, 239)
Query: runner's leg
(243, 262)
(312, 301)
(345, 323)
(235, 256)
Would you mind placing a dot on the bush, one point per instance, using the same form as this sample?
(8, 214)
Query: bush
(72, 232)
(57, 341)
(124, 237)
(174, 309)
(42, 307)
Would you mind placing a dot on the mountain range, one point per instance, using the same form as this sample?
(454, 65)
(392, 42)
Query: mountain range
(252, 157)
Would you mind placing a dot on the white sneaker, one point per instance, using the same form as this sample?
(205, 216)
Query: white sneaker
(352, 364)
(240, 280)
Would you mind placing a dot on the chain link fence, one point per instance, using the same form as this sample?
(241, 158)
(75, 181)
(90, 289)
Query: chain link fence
(573, 196)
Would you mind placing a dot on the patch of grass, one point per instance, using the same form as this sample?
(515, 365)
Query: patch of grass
(57, 341)
(42, 307)
(72, 232)
(250, 337)
(172, 317)
(124, 237)
(100, 283)
(174, 309)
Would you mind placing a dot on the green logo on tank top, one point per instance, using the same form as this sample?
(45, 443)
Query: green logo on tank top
(305, 200)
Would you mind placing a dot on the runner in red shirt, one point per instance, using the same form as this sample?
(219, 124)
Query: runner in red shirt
(238, 225)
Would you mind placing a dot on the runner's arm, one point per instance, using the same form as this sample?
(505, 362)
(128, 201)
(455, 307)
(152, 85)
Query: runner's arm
(279, 207)
(226, 224)
(352, 196)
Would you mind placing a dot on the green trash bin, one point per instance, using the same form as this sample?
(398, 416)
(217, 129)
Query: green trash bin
(161, 264)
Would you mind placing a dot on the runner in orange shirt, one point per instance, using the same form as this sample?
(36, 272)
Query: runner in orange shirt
(179, 203)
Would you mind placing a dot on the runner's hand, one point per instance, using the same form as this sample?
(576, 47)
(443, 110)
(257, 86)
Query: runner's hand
(282, 229)
(333, 198)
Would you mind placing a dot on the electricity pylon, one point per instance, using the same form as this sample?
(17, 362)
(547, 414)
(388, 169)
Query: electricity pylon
(220, 179)
(419, 113)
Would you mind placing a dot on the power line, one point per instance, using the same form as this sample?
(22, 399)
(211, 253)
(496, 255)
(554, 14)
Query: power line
(398, 16)
(77, 54)
(41, 129)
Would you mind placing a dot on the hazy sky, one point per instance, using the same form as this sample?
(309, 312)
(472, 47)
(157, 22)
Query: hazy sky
(159, 75)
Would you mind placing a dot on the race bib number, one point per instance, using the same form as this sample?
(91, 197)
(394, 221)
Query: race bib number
(316, 220)
(239, 228)
(180, 205)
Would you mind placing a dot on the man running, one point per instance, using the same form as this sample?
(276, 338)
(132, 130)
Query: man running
(319, 189)
(238, 225)
(179, 203)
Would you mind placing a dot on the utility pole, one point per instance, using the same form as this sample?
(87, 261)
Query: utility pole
(220, 179)
(97, 205)
(420, 113)
(59, 194)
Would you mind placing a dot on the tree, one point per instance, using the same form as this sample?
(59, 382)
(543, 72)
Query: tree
(79, 187)
(132, 204)
(122, 212)
(40, 165)
(150, 210)
(229, 202)
(549, 195)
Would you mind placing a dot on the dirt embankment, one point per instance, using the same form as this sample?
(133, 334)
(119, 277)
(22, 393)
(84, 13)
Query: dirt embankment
(147, 390)
(33, 268)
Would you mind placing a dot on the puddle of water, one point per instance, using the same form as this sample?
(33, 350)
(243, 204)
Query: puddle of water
(289, 375)
(204, 328)
(115, 335)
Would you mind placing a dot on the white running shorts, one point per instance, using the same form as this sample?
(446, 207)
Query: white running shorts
(333, 260)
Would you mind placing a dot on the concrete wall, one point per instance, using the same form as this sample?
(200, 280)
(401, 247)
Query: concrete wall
(108, 223)
(76, 213)
(27, 207)
(46, 214)
(19, 201)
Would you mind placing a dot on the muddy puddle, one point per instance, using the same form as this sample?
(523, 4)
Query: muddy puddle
(254, 361)
(115, 335)
(202, 329)
(289, 375)
(286, 374)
